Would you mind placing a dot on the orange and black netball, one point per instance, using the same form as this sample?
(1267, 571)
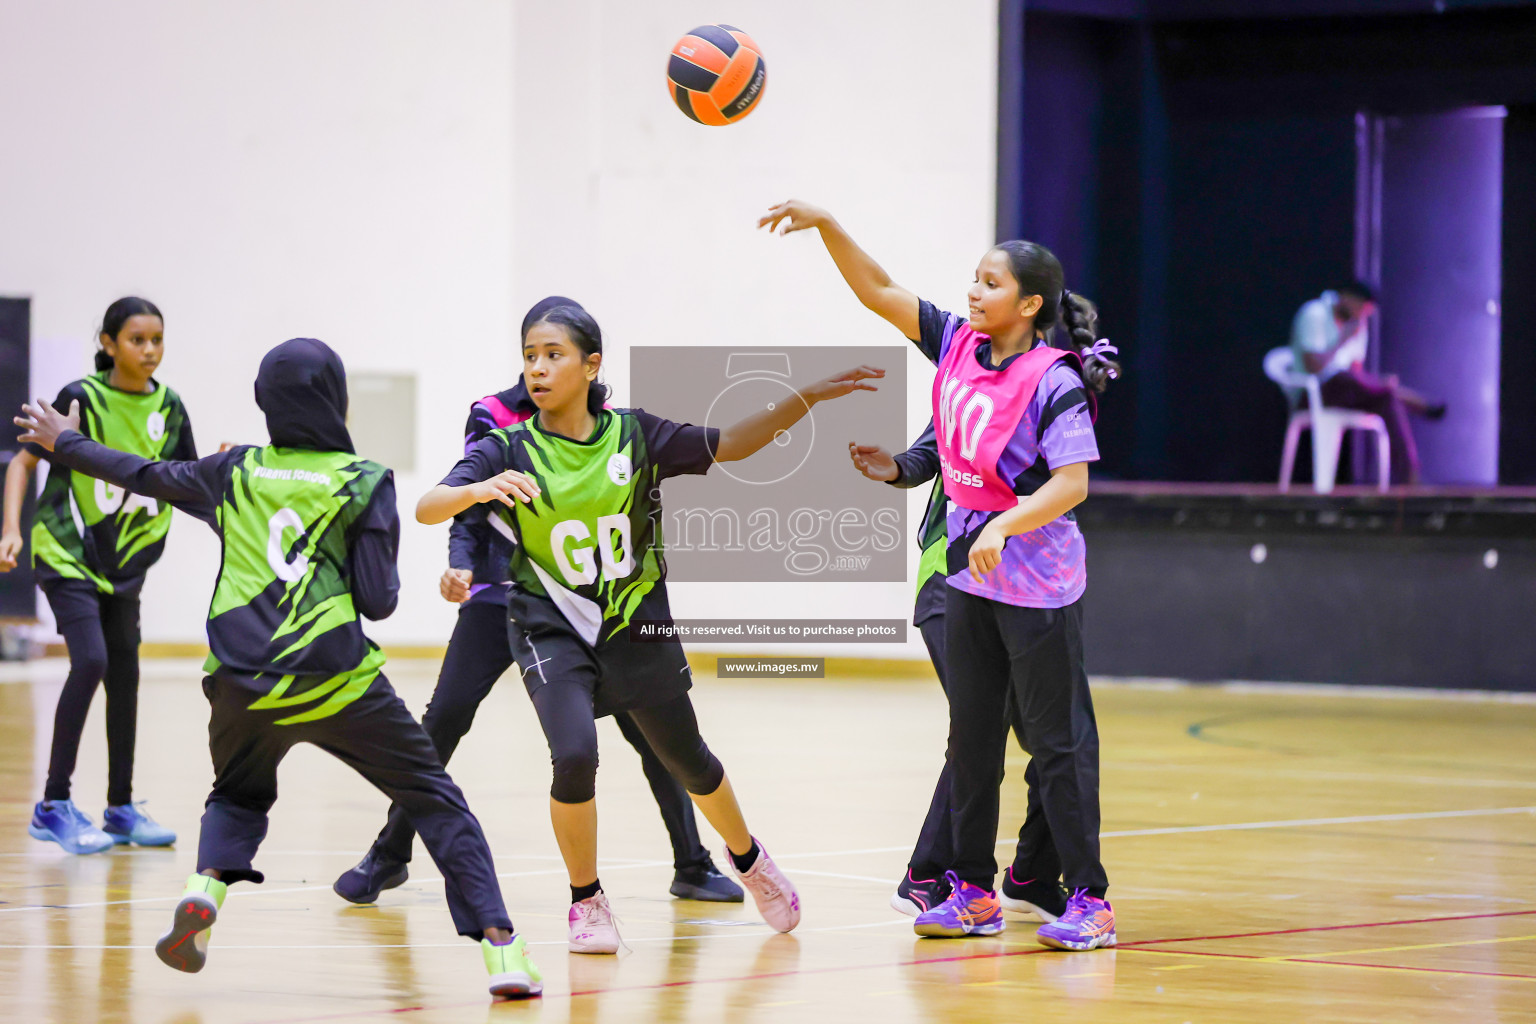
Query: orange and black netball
(716, 74)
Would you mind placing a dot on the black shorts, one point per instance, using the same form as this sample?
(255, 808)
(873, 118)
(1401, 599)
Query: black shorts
(621, 674)
(75, 600)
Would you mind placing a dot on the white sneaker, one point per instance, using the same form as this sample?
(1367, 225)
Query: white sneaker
(774, 894)
(592, 927)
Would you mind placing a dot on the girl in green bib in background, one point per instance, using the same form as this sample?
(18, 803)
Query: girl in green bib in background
(92, 543)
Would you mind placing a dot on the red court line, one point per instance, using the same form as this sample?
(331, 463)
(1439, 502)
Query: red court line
(1342, 963)
(1333, 927)
(982, 956)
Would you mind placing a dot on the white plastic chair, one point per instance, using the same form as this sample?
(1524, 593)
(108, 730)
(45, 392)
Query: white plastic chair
(1327, 424)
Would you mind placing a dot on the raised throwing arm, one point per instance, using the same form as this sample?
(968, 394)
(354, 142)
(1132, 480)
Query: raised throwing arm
(867, 278)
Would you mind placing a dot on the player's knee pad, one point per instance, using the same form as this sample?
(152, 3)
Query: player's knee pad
(703, 776)
(575, 776)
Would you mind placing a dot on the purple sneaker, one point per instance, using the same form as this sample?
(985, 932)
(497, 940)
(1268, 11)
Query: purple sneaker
(970, 910)
(914, 896)
(1089, 923)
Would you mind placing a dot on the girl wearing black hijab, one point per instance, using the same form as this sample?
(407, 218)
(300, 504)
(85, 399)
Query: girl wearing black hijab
(309, 533)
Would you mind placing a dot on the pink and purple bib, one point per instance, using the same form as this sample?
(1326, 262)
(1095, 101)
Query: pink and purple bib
(975, 413)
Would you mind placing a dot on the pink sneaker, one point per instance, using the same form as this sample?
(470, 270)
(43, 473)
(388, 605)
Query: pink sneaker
(592, 927)
(774, 894)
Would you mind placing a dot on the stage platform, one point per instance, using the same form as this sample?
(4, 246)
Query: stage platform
(1423, 586)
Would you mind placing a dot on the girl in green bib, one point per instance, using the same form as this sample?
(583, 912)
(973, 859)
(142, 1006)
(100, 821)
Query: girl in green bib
(576, 487)
(92, 544)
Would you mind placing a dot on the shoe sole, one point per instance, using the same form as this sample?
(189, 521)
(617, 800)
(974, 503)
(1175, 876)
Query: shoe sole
(177, 948)
(940, 931)
(1025, 907)
(684, 891)
(515, 985)
(902, 905)
(593, 951)
(1103, 942)
(392, 882)
(47, 836)
(792, 917)
(118, 839)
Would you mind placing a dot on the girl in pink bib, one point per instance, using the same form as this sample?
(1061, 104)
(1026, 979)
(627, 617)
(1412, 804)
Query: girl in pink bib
(1013, 416)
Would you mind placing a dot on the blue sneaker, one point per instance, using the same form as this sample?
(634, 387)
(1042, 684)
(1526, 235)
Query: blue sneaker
(60, 821)
(127, 823)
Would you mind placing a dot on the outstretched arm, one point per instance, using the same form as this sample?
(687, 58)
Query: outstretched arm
(190, 486)
(867, 278)
(756, 431)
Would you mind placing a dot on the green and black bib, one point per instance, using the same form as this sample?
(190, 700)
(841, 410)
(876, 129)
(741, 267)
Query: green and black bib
(87, 529)
(592, 541)
(283, 601)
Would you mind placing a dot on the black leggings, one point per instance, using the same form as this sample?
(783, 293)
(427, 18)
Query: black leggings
(479, 652)
(565, 712)
(102, 634)
(562, 674)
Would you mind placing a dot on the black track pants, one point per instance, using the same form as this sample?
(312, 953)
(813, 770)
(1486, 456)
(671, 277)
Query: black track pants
(376, 736)
(1037, 654)
(1034, 857)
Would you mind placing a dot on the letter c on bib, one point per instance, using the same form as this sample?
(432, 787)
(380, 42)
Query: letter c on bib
(288, 572)
(109, 497)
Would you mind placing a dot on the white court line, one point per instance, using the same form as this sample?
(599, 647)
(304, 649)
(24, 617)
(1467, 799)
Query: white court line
(1242, 826)
(1322, 776)
(754, 931)
(1355, 819)
(834, 874)
(425, 879)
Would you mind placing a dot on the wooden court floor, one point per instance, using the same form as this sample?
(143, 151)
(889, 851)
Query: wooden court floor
(1274, 856)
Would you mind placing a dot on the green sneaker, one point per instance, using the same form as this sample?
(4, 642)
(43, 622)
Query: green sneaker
(513, 974)
(185, 946)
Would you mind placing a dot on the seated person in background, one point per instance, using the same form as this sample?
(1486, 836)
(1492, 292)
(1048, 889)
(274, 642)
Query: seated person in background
(1329, 338)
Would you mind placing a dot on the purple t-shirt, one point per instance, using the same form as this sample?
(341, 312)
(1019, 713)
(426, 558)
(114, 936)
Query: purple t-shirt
(1043, 568)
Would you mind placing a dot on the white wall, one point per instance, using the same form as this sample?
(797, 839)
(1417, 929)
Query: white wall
(884, 112)
(332, 168)
(403, 178)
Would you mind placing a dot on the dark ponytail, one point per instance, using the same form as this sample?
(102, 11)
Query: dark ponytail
(585, 335)
(1038, 272)
(115, 317)
(1081, 319)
